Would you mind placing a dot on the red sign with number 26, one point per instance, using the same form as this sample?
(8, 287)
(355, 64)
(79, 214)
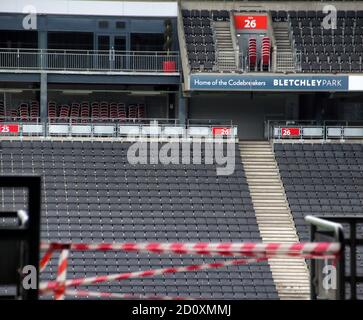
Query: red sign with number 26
(250, 22)
(290, 132)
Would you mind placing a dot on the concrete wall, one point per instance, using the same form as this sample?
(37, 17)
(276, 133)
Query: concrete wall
(247, 111)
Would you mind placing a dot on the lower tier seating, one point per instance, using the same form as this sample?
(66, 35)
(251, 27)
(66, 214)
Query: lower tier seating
(323, 180)
(92, 194)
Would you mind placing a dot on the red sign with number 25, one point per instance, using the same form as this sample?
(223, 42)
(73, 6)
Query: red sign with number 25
(9, 128)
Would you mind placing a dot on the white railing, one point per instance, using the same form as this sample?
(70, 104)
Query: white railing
(84, 60)
(159, 128)
(323, 130)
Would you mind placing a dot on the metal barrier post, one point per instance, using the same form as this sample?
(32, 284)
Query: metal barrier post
(322, 226)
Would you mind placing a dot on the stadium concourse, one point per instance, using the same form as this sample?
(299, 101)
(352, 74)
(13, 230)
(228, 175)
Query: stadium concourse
(246, 116)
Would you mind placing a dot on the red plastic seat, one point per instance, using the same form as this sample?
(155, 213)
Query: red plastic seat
(121, 112)
(132, 111)
(266, 53)
(252, 54)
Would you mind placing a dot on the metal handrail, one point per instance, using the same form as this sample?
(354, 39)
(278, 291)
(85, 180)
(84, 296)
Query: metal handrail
(88, 60)
(9, 119)
(208, 122)
(88, 51)
(162, 128)
(325, 125)
(90, 120)
(323, 227)
(100, 120)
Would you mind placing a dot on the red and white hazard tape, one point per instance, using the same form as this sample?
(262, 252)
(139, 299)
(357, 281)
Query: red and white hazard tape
(322, 249)
(52, 285)
(59, 292)
(46, 258)
(255, 251)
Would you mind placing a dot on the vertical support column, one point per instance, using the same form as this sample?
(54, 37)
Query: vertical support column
(182, 107)
(43, 45)
(43, 97)
(42, 40)
(292, 107)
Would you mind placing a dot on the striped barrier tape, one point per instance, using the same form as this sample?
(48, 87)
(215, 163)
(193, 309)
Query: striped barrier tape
(52, 285)
(321, 249)
(59, 292)
(46, 258)
(255, 251)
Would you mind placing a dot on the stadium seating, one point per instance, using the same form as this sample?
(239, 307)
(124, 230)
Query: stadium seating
(266, 54)
(252, 54)
(121, 111)
(199, 36)
(75, 112)
(323, 180)
(25, 112)
(92, 194)
(2, 111)
(326, 50)
(34, 111)
(95, 112)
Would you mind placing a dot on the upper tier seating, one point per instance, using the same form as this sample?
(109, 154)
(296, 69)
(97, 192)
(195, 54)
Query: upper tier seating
(326, 50)
(323, 180)
(200, 39)
(92, 194)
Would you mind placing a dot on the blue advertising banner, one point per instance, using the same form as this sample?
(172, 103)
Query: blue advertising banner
(236, 82)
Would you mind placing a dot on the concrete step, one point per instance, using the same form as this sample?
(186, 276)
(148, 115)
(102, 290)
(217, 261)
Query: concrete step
(259, 158)
(263, 193)
(260, 167)
(265, 179)
(267, 213)
(277, 220)
(268, 197)
(268, 224)
(254, 149)
(261, 183)
(256, 153)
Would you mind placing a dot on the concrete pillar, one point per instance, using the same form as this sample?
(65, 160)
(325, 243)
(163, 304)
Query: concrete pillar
(43, 96)
(182, 107)
(292, 107)
(42, 40)
(43, 45)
